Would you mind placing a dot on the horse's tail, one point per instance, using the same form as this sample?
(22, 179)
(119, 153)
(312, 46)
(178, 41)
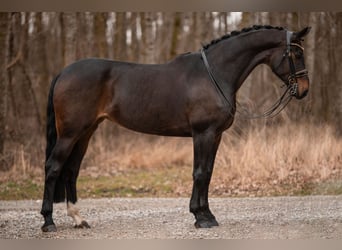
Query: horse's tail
(51, 139)
(51, 132)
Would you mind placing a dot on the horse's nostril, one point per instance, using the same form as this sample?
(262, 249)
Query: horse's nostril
(305, 92)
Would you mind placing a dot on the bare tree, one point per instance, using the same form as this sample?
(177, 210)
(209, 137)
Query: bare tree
(68, 32)
(120, 39)
(176, 30)
(148, 28)
(14, 53)
(101, 46)
(135, 42)
(4, 22)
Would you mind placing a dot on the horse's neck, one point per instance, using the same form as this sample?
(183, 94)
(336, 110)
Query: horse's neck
(236, 58)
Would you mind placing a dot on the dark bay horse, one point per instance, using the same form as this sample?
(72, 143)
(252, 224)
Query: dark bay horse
(193, 95)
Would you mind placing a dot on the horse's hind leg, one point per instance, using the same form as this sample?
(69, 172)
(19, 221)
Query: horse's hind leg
(73, 166)
(54, 166)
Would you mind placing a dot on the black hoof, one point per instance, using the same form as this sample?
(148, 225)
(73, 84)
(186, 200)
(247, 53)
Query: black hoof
(49, 228)
(83, 224)
(205, 219)
(206, 223)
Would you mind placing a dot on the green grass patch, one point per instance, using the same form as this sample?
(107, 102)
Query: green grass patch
(331, 187)
(166, 182)
(173, 181)
(326, 187)
(19, 190)
(135, 183)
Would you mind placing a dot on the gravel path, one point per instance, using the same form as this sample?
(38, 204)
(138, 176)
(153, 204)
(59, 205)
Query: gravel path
(164, 218)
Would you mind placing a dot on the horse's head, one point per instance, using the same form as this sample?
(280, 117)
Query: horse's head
(287, 62)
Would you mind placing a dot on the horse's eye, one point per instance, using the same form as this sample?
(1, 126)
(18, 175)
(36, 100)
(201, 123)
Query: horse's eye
(298, 54)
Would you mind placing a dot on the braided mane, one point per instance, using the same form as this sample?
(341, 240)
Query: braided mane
(236, 32)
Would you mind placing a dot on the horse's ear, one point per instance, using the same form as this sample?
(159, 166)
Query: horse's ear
(302, 33)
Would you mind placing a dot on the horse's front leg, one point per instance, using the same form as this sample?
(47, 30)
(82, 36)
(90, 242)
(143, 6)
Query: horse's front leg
(205, 148)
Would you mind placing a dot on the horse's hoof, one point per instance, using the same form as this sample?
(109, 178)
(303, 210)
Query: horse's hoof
(83, 224)
(49, 228)
(206, 223)
(214, 223)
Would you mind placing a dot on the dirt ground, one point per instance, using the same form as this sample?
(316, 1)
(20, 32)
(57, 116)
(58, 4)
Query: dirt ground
(307, 217)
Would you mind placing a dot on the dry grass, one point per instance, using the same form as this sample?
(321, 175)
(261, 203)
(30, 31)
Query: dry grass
(264, 160)
(129, 150)
(276, 157)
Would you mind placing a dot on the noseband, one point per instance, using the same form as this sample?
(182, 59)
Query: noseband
(291, 82)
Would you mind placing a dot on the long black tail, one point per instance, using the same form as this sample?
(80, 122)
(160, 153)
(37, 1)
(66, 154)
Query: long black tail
(51, 132)
(51, 138)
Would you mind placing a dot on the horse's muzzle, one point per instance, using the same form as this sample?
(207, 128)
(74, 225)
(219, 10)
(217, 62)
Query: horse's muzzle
(302, 87)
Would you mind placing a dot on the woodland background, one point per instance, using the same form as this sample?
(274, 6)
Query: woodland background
(302, 144)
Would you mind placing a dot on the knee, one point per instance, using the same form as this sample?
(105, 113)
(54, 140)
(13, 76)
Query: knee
(201, 176)
(52, 171)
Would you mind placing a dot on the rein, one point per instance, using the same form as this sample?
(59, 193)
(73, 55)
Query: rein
(286, 97)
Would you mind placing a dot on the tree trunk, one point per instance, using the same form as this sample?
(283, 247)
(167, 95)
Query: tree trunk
(4, 22)
(13, 55)
(163, 37)
(120, 46)
(101, 46)
(135, 46)
(40, 69)
(176, 30)
(68, 31)
(148, 37)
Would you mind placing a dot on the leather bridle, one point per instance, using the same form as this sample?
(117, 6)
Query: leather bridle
(291, 82)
